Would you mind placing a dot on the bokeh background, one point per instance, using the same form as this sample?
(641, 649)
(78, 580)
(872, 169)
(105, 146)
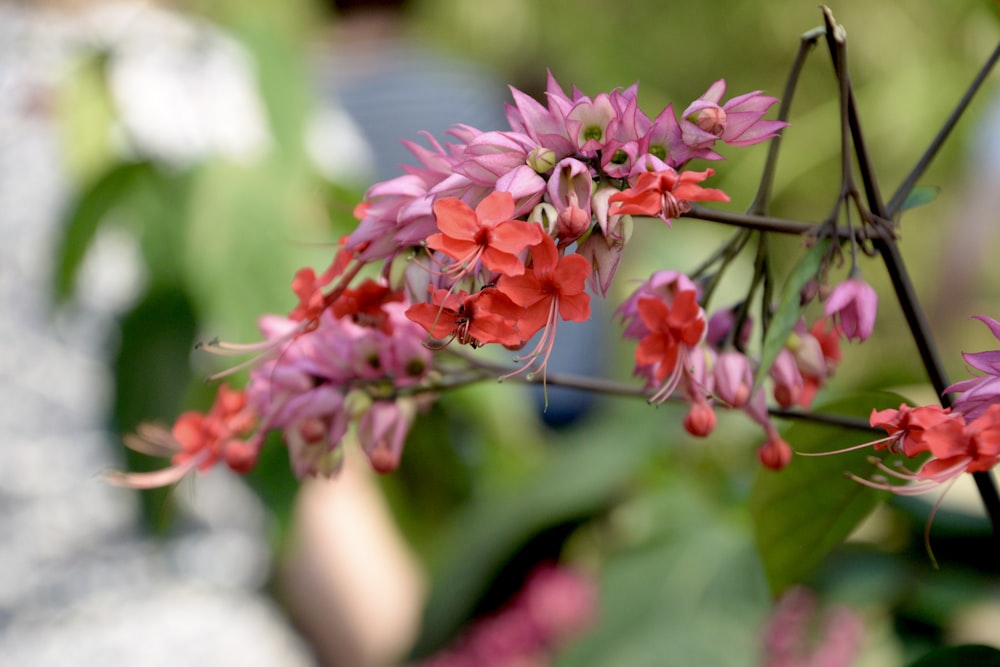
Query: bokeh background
(166, 167)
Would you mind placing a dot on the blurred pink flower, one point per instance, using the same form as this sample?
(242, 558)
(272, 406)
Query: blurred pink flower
(854, 303)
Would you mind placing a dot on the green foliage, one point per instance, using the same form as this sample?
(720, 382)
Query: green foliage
(920, 196)
(789, 307)
(690, 577)
(93, 204)
(969, 655)
(804, 511)
(574, 482)
(152, 372)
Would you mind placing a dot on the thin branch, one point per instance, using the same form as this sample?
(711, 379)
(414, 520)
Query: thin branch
(899, 198)
(889, 250)
(762, 201)
(766, 223)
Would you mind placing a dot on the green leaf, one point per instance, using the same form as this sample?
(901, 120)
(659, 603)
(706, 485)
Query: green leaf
(920, 196)
(579, 479)
(789, 308)
(693, 579)
(85, 217)
(968, 655)
(803, 512)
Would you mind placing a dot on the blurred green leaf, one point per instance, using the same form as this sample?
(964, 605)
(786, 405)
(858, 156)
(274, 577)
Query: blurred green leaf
(152, 374)
(803, 512)
(969, 655)
(695, 577)
(920, 196)
(85, 216)
(580, 479)
(789, 308)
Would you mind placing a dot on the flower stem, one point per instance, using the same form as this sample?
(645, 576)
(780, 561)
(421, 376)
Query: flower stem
(889, 251)
(899, 198)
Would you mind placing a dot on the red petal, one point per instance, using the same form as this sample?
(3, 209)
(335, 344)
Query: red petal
(438, 322)
(571, 274)
(496, 208)
(456, 219)
(575, 307)
(524, 290)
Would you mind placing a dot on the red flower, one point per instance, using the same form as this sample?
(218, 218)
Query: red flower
(665, 194)
(670, 327)
(484, 317)
(487, 234)
(552, 286)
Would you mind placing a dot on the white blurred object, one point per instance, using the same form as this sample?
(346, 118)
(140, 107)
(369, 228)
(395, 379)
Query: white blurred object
(184, 90)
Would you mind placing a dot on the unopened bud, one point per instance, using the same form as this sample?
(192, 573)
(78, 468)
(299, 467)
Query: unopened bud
(356, 403)
(545, 215)
(775, 453)
(700, 420)
(542, 159)
(712, 120)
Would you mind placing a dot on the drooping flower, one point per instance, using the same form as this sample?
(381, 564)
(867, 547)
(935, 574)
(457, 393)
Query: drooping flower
(775, 453)
(733, 378)
(382, 431)
(853, 304)
(197, 441)
(978, 393)
(569, 191)
(674, 329)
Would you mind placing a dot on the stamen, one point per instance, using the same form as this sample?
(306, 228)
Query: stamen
(850, 449)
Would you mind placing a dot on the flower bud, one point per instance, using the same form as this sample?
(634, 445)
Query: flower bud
(775, 453)
(542, 159)
(712, 119)
(700, 420)
(545, 215)
(356, 403)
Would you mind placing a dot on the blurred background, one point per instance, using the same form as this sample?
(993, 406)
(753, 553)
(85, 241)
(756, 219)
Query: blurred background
(165, 168)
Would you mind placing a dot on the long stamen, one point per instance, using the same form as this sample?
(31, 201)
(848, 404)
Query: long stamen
(665, 391)
(852, 448)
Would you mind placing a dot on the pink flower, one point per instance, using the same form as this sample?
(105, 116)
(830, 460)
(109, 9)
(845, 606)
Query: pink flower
(737, 122)
(798, 635)
(978, 393)
(733, 378)
(854, 304)
(382, 432)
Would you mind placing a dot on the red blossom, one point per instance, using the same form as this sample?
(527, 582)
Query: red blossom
(665, 194)
(552, 284)
(487, 234)
(485, 317)
(670, 327)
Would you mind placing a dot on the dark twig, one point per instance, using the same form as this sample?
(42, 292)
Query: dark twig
(898, 199)
(889, 251)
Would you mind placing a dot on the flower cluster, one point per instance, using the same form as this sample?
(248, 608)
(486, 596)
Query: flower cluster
(679, 348)
(960, 439)
(492, 239)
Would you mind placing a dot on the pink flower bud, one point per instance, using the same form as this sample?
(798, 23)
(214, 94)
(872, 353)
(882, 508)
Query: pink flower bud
(854, 304)
(733, 378)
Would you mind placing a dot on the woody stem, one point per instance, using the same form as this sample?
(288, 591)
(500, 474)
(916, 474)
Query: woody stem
(889, 250)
